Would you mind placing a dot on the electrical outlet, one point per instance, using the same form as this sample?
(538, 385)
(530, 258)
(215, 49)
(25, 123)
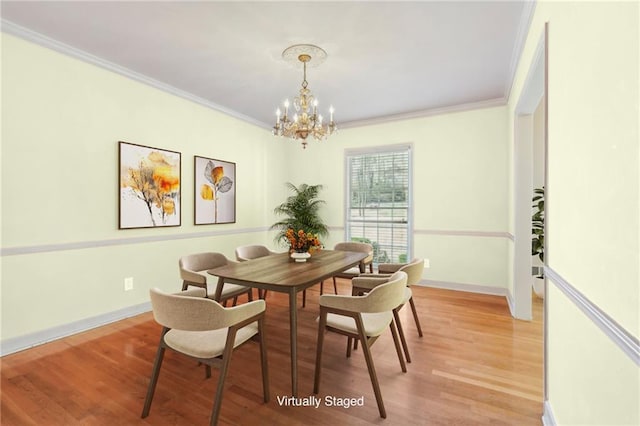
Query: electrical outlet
(128, 284)
(426, 263)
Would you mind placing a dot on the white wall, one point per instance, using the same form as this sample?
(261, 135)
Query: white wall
(460, 190)
(592, 205)
(62, 120)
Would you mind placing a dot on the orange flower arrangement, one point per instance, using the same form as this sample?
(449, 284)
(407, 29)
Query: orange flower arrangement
(302, 241)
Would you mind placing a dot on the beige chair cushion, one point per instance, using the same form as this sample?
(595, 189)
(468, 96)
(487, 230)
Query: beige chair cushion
(206, 344)
(212, 285)
(374, 324)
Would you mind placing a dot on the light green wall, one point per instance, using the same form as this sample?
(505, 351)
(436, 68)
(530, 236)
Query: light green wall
(591, 381)
(62, 120)
(592, 202)
(460, 180)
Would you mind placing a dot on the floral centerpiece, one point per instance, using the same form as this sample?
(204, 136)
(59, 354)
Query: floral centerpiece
(302, 242)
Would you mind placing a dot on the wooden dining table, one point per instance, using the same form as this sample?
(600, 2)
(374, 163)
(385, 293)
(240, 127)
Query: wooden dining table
(281, 273)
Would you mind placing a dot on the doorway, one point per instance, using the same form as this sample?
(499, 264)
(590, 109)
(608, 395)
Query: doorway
(530, 172)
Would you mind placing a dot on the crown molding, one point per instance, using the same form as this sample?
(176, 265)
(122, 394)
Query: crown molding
(42, 40)
(489, 103)
(521, 38)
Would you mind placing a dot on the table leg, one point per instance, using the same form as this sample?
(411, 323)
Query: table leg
(218, 294)
(293, 330)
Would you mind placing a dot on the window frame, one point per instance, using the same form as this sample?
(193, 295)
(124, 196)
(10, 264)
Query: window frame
(382, 149)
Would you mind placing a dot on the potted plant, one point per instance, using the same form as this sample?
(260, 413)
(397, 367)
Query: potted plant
(537, 239)
(301, 211)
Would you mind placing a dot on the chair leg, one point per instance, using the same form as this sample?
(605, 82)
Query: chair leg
(321, 288)
(415, 316)
(207, 369)
(224, 369)
(263, 361)
(396, 318)
(155, 372)
(304, 298)
(235, 300)
(372, 370)
(335, 287)
(349, 339)
(322, 323)
(396, 343)
(250, 295)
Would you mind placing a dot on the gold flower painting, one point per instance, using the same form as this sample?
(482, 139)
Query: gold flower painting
(215, 193)
(149, 187)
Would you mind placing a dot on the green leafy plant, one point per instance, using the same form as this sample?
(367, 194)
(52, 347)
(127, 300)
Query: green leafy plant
(537, 223)
(301, 211)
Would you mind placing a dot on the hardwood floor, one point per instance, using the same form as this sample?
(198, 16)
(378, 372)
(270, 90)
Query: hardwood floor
(474, 365)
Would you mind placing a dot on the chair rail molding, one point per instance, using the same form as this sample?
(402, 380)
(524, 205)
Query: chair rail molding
(15, 251)
(626, 341)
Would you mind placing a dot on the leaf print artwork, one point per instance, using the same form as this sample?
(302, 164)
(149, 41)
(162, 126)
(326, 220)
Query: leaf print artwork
(215, 191)
(219, 185)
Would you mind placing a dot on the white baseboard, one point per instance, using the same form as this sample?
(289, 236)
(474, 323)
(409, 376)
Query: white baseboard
(27, 341)
(471, 288)
(547, 415)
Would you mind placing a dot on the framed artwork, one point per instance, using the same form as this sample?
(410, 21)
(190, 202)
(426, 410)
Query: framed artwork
(149, 187)
(215, 191)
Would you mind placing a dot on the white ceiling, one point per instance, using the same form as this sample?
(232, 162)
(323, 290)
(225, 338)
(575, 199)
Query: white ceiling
(385, 60)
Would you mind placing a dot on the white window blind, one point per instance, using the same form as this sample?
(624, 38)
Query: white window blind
(378, 201)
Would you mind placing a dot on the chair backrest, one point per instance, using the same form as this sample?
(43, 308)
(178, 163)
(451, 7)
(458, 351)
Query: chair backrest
(359, 247)
(187, 313)
(244, 253)
(385, 297)
(354, 246)
(413, 270)
(191, 264)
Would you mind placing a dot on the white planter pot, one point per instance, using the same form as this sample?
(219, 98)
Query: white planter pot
(300, 257)
(538, 287)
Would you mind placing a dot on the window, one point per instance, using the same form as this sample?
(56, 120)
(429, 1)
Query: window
(378, 201)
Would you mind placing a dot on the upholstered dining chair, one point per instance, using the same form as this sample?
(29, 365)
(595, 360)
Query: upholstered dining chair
(202, 329)
(362, 318)
(355, 271)
(254, 251)
(413, 269)
(193, 271)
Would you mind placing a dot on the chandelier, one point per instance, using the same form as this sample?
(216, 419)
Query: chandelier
(306, 121)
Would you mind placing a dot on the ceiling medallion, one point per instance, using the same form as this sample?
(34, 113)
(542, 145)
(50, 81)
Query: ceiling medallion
(306, 120)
